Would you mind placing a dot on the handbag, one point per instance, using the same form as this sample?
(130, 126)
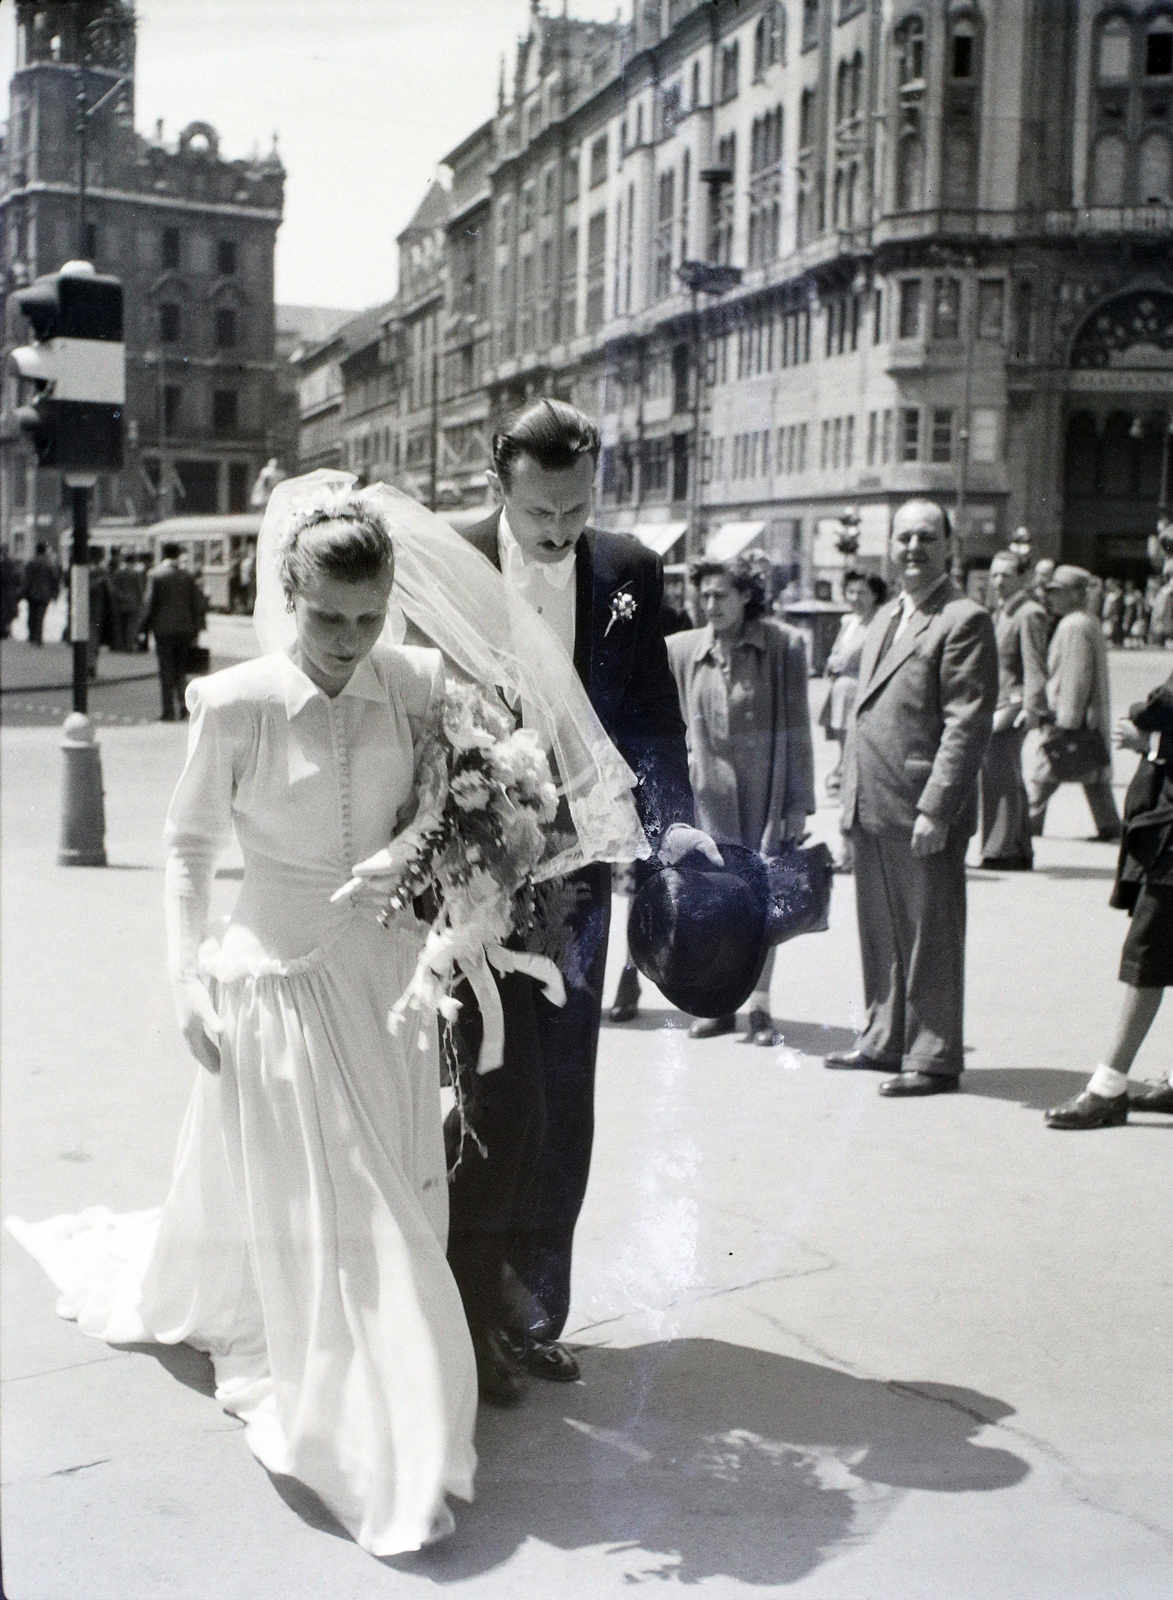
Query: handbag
(199, 660)
(800, 891)
(1075, 754)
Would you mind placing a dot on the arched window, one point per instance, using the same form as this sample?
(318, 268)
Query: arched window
(1156, 171)
(1158, 61)
(696, 84)
(776, 34)
(1114, 56)
(842, 91)
(910, 51)
(856, 82)
(1108, 171)
(962, 50)
(760, 49)
(910, 173)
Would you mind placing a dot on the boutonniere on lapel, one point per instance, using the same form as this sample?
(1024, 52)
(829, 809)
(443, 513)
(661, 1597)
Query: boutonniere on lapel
(622, 609)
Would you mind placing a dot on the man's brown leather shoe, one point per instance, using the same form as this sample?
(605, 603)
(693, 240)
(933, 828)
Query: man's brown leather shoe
(905, 1085)
(499, 1375)
(546, 1358)
(1089, 1110)
(1153, 1097)
(856, 1061)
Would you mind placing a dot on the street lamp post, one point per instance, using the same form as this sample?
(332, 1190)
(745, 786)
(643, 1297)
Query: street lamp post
(84, 113)
(701, 277)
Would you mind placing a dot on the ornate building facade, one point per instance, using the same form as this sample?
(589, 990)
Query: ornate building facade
(953, 221)
(191, 235)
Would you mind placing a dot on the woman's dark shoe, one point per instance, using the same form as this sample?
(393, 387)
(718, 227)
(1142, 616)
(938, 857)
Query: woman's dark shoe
(626, 1006)
(713, 1027)
(1090, 1110)
(760, 1029)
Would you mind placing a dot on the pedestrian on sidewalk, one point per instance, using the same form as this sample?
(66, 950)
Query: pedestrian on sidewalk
(1074, 745)
(41, 583)
(127, 587)
(11, 582)
(865, 593)
(1020, 629)
(1143, 888)
(742, 682)
(173, 610)
(101, 606)
(928, 684)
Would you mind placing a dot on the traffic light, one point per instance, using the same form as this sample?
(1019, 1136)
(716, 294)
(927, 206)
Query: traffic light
(77, 365)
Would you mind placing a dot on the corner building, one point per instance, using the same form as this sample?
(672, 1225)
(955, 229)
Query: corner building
(191, 235)
(954, 230)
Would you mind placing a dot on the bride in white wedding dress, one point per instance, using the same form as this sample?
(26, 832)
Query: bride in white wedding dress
(302, 1243)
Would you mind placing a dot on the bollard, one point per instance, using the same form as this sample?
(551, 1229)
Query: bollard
(83, 815)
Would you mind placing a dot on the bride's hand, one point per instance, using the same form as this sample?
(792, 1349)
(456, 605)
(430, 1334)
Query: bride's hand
(385, 870)
(198, 1021)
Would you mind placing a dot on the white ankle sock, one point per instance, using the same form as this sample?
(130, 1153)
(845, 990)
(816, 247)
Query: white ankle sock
(1109, 1083)
(759, 1000)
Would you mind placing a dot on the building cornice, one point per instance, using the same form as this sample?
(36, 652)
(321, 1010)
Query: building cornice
(221, 208)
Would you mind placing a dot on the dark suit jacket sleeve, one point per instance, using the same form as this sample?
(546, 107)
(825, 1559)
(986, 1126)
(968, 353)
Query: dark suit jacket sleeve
(969, 693)
(1155, 715)
(648, 729)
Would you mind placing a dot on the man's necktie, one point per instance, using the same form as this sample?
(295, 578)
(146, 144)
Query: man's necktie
(893, 625)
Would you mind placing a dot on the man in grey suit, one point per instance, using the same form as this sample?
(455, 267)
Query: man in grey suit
(1021, 630)
(928, 684)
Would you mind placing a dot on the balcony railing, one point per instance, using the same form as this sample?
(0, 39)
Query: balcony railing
(1154, 219)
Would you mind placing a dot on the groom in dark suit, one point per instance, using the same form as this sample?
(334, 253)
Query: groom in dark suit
(519, 1185)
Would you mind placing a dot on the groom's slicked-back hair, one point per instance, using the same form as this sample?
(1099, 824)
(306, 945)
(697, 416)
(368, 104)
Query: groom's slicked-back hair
(555, 433)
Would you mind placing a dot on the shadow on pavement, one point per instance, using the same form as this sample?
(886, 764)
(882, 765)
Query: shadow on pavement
(1036, 1088)
(192, 1367)
(808, 1038)
(716, 1460)
(1077, 874)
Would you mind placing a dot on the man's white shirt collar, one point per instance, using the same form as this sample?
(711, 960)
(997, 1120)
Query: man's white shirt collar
(513, 562)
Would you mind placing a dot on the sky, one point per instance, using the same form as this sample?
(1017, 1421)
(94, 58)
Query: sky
(365, 96)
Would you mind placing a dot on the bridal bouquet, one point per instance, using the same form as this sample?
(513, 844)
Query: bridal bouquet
(487, 803)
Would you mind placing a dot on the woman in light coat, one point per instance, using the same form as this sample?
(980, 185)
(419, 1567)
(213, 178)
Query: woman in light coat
(742, 681)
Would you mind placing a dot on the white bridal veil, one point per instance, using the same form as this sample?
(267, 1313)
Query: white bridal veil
(458, 599)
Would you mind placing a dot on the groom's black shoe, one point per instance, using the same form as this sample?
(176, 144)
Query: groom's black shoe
(499, 1374)
(546, 1358)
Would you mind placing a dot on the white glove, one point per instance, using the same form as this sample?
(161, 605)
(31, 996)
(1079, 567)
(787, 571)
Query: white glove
(187, 884)
(680, 839)
(198, 1021)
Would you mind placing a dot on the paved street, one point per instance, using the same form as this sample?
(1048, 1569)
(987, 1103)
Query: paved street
(35, 684)
(833, 1346)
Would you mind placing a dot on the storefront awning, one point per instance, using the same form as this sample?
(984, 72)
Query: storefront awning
(731, 538)
(660, 536)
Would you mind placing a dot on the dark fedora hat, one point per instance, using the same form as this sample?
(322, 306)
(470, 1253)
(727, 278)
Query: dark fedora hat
(700, 932)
